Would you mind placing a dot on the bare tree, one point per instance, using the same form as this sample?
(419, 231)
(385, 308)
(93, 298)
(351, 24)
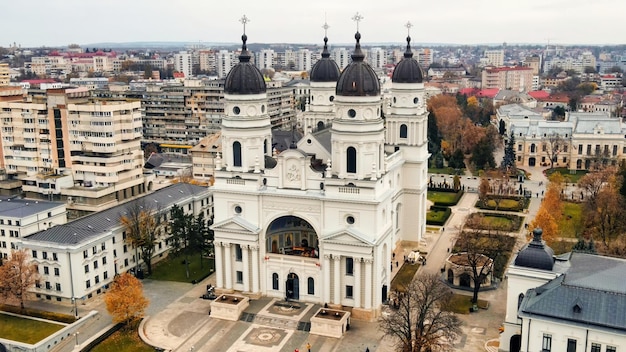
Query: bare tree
(481, 247)
(17, 276)
(553, 144)
(144, 226)
(420, 323)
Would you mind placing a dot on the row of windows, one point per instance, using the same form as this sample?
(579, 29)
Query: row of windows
(10, 222)
(105, 276)
(94, 250)
(12, 233)
(48, 285)
(546, 345)
(46, 270)
(44, 255)
(95, 264)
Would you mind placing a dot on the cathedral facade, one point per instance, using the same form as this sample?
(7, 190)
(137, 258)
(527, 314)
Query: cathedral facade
(319, 221)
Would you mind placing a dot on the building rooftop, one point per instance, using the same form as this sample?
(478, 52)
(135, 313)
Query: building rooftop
(20, 208)
(96, 224)
(591, 292)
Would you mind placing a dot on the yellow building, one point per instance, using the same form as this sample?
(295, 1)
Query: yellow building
(5, 74)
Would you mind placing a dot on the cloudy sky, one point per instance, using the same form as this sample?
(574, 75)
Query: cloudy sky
(61, 22)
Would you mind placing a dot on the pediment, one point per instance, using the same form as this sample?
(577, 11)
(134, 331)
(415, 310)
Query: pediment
(236, 224)
(349, 236)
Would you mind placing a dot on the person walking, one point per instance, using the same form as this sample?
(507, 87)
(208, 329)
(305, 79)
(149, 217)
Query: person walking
(308, 347)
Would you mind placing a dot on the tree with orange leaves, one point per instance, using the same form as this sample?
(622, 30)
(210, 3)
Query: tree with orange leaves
(545, 221)
(125, 300)
(17, 276)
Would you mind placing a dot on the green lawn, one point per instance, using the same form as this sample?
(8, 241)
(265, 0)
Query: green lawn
(26, 330)
(504, 222)
(404, 277)
(436, 215)
(441, 197)
(496, 222)
(123, 341)
(461, 304)
(504, 203)
(173, 269)
(571, 221)
(570, 178)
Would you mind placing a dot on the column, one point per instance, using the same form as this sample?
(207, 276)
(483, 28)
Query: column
(326, 278)
(219, 267)
(256, 266)
(368, 284)
(357, 283)
(337, 279)
(246, 268)
(228, 264)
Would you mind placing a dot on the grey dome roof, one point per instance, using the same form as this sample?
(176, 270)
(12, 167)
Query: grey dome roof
(244, 78)
(536, 254)
(358, 78)
(408, 70)
(326, 69)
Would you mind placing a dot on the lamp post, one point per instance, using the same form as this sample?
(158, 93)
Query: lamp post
(76, 335)
(75, 308)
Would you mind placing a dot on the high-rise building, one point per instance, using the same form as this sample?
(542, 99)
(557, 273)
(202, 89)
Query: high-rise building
(5, 74)
(67, 146)
(265, 59)
(207, 61)
(304, 61)
(514, 78)
(225, 61)
(495, 57)
(182, 63)
(377, 57)
(341, 56)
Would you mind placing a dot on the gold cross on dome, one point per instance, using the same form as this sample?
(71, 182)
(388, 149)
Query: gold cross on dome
(357, 18)
(244, 20)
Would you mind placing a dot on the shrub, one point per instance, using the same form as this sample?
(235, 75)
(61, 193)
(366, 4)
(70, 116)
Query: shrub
(508, 203)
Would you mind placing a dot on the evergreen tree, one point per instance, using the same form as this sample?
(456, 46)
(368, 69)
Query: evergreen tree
(508, 161)
(434, 136)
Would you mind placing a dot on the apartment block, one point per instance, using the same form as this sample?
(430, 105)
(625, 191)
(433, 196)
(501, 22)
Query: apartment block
(495, 57)
(512, 78)
(64, 145)
(5, 74)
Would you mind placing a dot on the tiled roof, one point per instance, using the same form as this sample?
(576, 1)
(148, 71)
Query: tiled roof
(96, 224)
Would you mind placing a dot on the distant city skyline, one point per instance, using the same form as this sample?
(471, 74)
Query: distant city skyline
(64, 22)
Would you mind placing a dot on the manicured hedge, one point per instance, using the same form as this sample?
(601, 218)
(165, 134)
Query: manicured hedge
(438, 215)
(522, 203)
(514, 221)
(63, 318)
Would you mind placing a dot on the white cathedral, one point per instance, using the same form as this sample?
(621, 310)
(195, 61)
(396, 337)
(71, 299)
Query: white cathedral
(319, 221)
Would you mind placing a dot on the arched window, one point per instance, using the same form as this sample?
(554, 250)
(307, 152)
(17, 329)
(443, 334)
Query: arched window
(265, 147)
(351, 159)
(532, 148)
(236, 154)
(520, 298)
(275, 281)
(310, 286)
(320, 125)
(404, 131)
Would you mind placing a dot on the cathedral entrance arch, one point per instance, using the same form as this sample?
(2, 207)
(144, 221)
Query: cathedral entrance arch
(291, 235)
(292, 286)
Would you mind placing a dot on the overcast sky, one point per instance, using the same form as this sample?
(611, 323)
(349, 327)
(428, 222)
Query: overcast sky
(61, 22)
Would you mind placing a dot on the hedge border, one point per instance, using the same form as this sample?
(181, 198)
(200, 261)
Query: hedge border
(447, 211)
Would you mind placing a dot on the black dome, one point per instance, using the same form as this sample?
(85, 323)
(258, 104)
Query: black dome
(326, 69)
(408, 70)
(358, 79)
(536, 254)
(244, 78)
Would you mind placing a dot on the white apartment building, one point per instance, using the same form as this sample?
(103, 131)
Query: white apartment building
(341, 56)
(494, 57)
(304, 60)
(182, 63)
(207, 60)
(225, 61)
(377, 57)
(265, 59)
(20, 218)
(78, 260)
